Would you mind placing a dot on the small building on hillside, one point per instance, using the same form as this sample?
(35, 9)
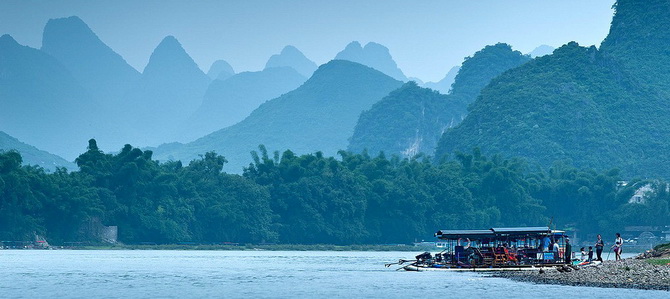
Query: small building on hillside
(640, 194)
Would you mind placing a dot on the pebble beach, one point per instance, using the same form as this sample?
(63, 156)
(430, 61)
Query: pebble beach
(627, 273)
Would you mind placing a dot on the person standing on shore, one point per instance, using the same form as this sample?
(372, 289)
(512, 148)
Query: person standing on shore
(618, 246)
(568, 251)
(600, 244)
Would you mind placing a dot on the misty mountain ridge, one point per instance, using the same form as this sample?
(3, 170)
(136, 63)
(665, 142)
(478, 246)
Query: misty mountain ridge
(444, 85)
(42, 103)
(32, 155)
(541, 50)
(220, 70)
(291, 57)
(373, 55)
(97, 67)
(227, 102)
(170, 90)
(318, 116)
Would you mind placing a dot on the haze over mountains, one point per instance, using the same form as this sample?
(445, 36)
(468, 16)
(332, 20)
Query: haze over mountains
(227, 102)
(541, 51)
(292, 57)
(170, 90)
(373, 55)
(32, 155)
(320, 115)
(103, 72)
(41, 103)
(444, 85)
(79, 83)
(88, 90)
(220, 70)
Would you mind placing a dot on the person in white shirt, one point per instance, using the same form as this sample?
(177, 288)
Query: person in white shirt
(618, 246)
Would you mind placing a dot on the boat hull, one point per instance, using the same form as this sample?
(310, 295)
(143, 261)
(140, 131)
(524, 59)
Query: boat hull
(475, 269)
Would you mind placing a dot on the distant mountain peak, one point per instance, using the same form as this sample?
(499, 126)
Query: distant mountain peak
(94, 64)
(220, 70)
(372, 46)
(291, 57)
(169, 56)
(373, 55)
(7, 40)
(339, 68)
(169, 41)
(541, 50)
(68, 32)
(444, 85)
(355, 45)
(72, 23)
(288, 50)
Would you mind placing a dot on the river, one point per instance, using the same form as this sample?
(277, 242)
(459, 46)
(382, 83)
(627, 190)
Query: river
(254, 274)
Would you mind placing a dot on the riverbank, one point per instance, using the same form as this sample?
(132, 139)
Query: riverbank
(627, 273)
(250, 247)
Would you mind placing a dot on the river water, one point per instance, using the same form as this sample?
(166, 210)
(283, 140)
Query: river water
(254, 274)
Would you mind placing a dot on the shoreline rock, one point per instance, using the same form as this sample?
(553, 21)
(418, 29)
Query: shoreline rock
(628, 273)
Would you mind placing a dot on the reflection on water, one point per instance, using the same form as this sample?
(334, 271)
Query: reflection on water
(252, 274)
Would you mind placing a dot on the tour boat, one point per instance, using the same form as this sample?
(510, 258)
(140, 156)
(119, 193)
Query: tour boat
(494, 249)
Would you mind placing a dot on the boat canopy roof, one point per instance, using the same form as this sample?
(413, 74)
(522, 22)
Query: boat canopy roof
(538, 230)
(471, 234)
(494, 232)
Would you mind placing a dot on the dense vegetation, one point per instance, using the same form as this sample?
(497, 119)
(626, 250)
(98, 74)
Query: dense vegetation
(599, 108)
(411, 119)
(308, 199)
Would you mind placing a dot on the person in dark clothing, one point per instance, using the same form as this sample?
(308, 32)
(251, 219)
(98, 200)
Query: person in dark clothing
(590, 253)
(600, 244)
(568, 251)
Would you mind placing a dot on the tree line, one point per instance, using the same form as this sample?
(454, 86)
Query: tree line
(308, 199)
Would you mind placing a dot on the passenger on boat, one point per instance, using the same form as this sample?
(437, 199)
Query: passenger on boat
(461, 253)
(545, 244)
(555, 248)
(458, 243)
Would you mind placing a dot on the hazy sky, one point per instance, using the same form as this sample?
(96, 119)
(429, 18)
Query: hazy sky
(426, 38)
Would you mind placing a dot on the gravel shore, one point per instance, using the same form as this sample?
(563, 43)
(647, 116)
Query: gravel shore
(628, 273)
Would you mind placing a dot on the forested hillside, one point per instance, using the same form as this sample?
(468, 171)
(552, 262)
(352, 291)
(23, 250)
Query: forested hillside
(411, 119)
(311, 198)
(599, 108)
(407, 122)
